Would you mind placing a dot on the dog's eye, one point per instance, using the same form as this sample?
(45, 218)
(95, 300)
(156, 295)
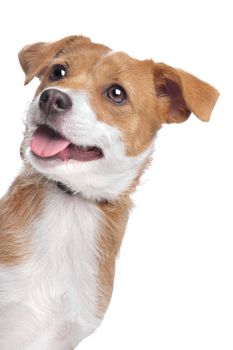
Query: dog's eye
(116, 94)
(58, 72)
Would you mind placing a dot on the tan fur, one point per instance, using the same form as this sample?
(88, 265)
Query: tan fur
(18, 209)
(113, 229)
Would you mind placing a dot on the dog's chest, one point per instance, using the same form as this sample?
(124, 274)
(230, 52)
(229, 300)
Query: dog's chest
(63, 274)
(56, 292)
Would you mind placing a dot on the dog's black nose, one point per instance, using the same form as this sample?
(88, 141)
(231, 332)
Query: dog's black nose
(53, 101)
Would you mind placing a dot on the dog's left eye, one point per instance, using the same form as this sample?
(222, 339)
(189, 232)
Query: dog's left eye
(116, 94)
(58, 72)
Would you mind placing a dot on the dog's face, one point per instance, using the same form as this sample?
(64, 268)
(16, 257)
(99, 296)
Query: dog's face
(92, 122)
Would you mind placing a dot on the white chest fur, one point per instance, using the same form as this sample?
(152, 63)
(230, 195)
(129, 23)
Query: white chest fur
(54, 295)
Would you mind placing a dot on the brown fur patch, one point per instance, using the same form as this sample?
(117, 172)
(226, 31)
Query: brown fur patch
(18, 208)
(112, 232)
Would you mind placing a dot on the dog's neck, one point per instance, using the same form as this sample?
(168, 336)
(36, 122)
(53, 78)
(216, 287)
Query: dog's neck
(65, 189)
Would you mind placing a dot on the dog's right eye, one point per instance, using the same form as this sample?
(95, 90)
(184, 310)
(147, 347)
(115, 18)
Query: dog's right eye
(58, 72)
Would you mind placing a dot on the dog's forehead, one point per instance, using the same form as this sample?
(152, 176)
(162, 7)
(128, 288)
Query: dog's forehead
(94, 57)
(78, 49)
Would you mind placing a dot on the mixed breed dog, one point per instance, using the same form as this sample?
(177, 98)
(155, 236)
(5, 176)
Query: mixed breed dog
(89, 136)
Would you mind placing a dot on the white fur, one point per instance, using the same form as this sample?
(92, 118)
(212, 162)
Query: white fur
(50, 302)
(105, 178)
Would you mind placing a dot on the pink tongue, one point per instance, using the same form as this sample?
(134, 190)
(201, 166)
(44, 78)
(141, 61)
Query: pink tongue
(46, 143)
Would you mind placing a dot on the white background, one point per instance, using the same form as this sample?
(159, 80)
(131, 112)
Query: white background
(173, 287)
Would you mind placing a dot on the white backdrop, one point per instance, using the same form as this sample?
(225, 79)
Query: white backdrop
(174, 281)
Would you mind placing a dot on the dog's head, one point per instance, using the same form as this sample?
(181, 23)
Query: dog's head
(95, 113)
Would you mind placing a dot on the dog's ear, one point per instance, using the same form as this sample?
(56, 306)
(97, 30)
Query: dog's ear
(36, 57)
(181, 94)
(33, 58)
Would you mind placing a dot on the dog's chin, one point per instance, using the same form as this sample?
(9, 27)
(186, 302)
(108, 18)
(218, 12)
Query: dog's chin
(96, 180)
(73, 173)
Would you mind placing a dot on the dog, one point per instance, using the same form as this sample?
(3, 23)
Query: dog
(89, 135)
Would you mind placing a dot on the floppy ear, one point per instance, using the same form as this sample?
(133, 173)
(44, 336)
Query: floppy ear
(181, 94)
(34, 58)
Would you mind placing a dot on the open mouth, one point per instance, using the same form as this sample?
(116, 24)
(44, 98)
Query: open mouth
(47, 144)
